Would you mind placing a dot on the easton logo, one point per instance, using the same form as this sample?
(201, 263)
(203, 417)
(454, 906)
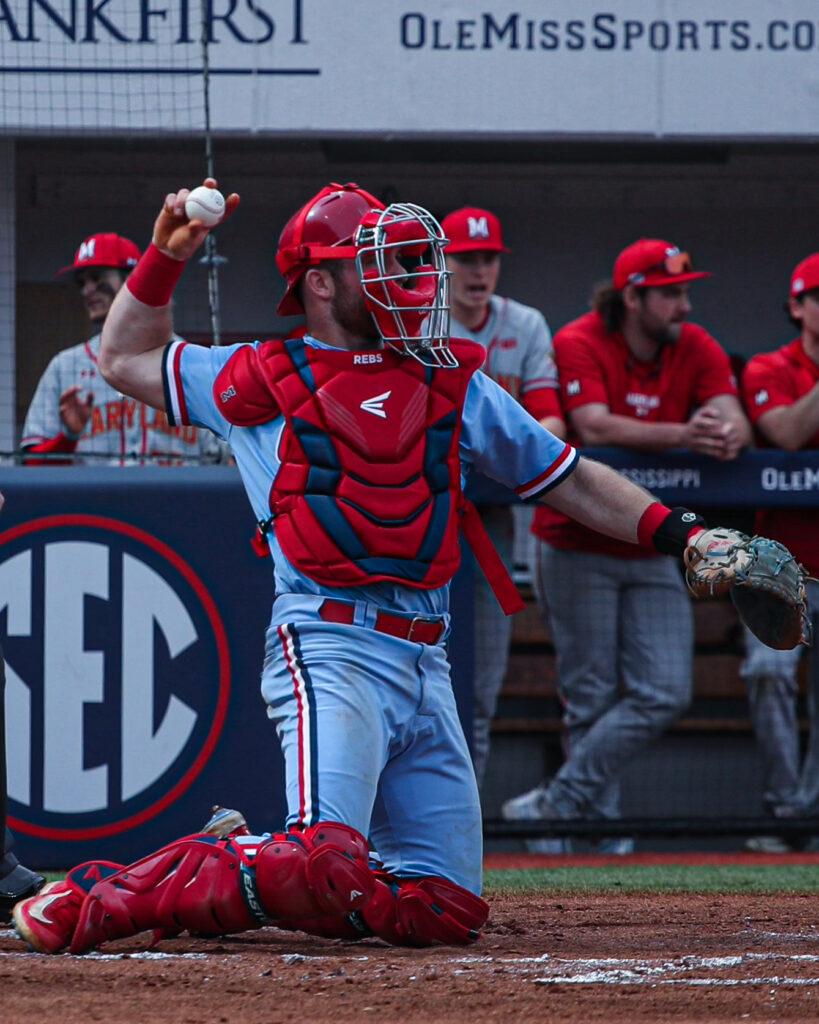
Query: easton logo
(376, 405)
(251, 898)
(118, 674)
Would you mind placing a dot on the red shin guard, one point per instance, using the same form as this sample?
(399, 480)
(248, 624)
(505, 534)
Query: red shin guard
(425, 912)
(193, 884)
(318, 881)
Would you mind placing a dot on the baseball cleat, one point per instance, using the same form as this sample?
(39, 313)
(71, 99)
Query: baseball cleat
(18, 884)
(225, 822)
(533, 806)
(47, 921)
(615, 846)
(776, 844)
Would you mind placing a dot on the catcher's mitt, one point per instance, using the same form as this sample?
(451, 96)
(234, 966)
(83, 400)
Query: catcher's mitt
(766, 583)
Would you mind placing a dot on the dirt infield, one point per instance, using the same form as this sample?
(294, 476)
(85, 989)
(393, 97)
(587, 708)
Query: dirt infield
(602, 957)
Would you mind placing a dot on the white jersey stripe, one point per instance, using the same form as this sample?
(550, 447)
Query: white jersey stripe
(305, 754)
(175, 395)
(551, 476)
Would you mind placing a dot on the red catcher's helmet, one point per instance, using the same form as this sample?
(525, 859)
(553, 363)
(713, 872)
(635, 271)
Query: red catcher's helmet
(322, 229)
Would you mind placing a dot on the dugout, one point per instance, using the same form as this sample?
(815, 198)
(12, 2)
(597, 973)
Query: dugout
(747, 212)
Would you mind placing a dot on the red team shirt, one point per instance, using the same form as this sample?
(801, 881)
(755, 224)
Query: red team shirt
(597, 366)
(771, 380)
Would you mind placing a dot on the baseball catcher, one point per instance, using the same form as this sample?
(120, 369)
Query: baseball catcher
(766, 583)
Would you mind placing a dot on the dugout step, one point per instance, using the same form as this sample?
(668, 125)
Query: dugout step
(793, 828)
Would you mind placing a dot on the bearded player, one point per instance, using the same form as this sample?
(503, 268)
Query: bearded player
(351, 443)
(635, 373)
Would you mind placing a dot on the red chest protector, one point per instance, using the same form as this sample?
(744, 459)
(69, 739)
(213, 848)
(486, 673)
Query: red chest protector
(369, 483)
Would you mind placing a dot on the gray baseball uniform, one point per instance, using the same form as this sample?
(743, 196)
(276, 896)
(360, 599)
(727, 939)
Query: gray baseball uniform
(519, 357)
(621, 623)
(772, 698)
(124, 430)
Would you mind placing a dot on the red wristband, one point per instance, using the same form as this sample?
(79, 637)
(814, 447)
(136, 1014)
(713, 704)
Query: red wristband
(155, 277)
(650, 522)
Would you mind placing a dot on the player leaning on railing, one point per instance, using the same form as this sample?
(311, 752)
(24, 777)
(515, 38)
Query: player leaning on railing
(351, 443)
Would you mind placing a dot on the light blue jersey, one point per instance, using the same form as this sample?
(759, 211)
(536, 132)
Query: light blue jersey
(498, 439)
(367, 721)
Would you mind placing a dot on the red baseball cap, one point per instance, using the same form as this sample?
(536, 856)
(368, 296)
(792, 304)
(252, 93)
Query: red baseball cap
(805, 276)
(472, 230)
(651, 262)
(104, 251)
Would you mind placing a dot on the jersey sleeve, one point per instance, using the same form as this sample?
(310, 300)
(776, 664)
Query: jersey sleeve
(502, 441)
(188, 375)
(765, 386)
(715, 375)
(43, 417)
(582, 374)
(539, 384)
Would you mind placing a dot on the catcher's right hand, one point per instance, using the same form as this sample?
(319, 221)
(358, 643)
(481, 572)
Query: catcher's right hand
(766, 583)
(173, 233)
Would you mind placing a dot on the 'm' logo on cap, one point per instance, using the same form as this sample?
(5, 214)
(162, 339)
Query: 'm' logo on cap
(478, 227)
(86, 250)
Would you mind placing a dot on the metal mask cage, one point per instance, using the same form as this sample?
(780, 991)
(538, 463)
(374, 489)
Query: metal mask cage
(410, 304)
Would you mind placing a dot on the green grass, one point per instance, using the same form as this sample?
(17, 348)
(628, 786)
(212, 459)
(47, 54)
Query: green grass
(661, 877)
(649, 878)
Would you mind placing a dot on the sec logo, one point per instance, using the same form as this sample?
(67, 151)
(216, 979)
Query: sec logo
(118, 675)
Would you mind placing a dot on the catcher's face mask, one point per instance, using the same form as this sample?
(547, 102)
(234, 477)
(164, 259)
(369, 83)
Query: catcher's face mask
(400, 263)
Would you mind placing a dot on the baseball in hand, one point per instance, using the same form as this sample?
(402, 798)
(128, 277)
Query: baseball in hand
(205, 204)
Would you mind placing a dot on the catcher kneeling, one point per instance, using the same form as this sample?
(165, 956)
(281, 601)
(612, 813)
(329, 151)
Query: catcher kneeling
(223, 880)
(352, 443)
(323, 880)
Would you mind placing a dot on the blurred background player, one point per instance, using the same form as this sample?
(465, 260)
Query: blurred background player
(781, 391)
(519, 357)
(633, 374)
(74, 411)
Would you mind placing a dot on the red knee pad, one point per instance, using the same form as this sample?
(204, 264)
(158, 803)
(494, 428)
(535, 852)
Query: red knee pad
(425, 912)
(304, 877)
(281, 879)
(338, 868)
